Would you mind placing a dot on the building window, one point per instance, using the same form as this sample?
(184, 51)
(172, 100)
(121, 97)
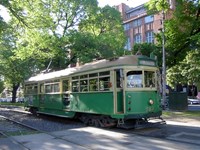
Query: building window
(128, 44)
(136, 12)
(137, 23)
(149, 26)
(138, 38)
(150, 37)
(126, 26)
(148, 19)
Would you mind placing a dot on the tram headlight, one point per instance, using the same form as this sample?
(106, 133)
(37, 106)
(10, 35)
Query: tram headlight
(151, 102)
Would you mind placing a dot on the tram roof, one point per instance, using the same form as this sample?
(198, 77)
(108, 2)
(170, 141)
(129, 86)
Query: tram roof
(104, 63)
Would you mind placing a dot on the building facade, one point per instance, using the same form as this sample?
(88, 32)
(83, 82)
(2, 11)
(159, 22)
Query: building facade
(139, 26)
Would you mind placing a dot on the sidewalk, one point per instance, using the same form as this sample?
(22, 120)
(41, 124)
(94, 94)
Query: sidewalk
(91, 138)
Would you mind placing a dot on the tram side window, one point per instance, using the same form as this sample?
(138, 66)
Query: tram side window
(149, 78)
(134, 79)
(52, 88)
(83, 85)
(65, 85)
(55, 87)
(104, 84)
(35, 89)
(28, 89)
(93, 85)
(48, 88)
(75, 86)
(31, 89)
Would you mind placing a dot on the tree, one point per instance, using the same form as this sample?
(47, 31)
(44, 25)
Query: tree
(182, 34)
(183, 31)
(184, 40)
(48, 24)
(101, 35)
(14, 70)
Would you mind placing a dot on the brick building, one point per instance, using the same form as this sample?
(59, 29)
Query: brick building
(139, 26)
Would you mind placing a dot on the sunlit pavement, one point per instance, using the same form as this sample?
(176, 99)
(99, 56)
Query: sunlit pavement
(93, 138)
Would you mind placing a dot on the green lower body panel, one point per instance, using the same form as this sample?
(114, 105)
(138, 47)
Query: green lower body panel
(95, 103)
(54, 112)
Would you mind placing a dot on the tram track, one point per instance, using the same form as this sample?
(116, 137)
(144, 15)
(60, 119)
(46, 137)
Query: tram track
(159, 132)
(19, 129)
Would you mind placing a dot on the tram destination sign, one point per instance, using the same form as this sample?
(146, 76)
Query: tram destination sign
(147, 63)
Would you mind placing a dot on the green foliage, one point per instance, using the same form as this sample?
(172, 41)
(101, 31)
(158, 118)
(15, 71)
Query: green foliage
(100, 36)
(155, 6)
(191, 66)
(183, 42)
(14, 70)
(1, 86)
(183, 31)
(48, 24)
(187, 71)
(145, 48)
(2, 25)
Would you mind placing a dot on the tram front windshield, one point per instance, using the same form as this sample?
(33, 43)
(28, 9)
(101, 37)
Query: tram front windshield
(135, 79)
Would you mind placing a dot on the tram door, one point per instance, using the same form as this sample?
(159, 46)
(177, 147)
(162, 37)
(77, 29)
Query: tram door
(118, 91)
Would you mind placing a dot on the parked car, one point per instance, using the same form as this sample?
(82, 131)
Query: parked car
(193, 101)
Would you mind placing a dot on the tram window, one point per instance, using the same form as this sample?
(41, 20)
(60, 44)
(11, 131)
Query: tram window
(28, 89)
(51, 88)
(48, 88)
(65, 85)
(104, 84)
(83, 76)
(35, 89)
(104, 73)
(75, 86)
(31, 89)
(149, 78)
(83, 85)
(93, 75)
(93, 85)
(75, 78)
(55, 87)
(134, 79)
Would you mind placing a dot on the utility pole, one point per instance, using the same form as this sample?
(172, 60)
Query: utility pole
(163, 59)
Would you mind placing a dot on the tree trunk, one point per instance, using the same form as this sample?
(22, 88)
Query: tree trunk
(14, 92)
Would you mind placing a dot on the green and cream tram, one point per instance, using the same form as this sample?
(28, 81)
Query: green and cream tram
(101, 93)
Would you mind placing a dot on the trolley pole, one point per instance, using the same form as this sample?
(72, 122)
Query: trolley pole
(163, 59)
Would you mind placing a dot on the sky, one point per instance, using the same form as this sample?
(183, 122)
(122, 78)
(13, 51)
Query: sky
(130, 3)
